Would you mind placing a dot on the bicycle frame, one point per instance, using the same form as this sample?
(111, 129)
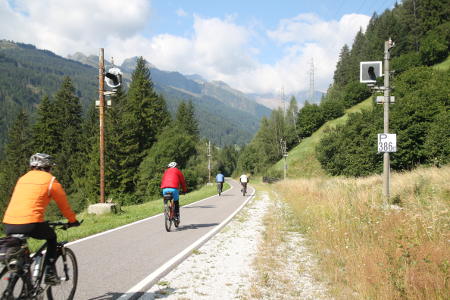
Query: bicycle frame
(32, 278)
(169, 212)
(219, 187)
(33, 285)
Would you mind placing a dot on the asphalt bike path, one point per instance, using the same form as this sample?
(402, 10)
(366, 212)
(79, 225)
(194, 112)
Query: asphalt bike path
(126, 261)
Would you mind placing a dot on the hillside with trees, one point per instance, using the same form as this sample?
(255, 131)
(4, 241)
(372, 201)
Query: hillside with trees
(27, 75)
(142, 139)
(419, 117)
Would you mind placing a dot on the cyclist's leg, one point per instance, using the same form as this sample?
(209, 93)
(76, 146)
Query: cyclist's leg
(40, 231)
(176, 198)
(43, 231)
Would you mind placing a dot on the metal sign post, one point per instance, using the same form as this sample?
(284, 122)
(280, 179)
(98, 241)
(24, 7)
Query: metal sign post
(285, 155)
(386, 159)
(369, 71)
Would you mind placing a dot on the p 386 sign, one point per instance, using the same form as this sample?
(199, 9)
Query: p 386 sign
(387, 142)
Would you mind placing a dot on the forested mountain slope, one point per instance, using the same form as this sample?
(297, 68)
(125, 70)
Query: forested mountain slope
(28, 74)
(420, 117)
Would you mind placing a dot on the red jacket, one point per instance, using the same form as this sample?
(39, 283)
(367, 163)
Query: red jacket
(173, 178)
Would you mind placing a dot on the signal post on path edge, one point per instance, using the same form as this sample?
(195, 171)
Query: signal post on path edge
(386, 142)
(113, 79)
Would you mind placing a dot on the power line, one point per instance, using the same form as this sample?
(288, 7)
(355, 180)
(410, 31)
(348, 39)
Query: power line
(311, 81)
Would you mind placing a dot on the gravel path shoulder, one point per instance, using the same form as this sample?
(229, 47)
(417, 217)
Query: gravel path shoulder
(224, 268)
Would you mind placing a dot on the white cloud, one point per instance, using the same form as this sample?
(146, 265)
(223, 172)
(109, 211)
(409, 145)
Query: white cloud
(181, 12)
(69, 26)
(217, 49)
(306, 37)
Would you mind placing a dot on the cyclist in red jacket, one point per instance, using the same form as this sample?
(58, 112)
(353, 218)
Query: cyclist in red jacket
(170, 182)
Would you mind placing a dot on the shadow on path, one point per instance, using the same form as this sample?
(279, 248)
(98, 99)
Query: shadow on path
(161, 293)
(199, 206)
(196, 226)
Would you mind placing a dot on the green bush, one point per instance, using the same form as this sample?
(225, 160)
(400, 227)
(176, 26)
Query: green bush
(405, 62)
(433, 49)
(355, 92)
(437, 144)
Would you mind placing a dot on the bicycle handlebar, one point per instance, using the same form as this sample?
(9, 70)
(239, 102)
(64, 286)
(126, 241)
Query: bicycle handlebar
(62, 225)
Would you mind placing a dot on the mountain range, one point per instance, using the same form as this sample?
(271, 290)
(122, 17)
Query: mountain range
(226, 116)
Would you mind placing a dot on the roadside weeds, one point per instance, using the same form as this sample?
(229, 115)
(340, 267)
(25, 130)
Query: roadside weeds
(258, 255)
(284, 267)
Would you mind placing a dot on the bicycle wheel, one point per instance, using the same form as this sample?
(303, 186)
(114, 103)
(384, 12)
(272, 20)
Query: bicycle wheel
(167, 217)
(67, 270)
(12, 285)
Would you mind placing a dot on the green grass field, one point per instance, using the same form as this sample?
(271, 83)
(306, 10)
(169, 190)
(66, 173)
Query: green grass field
(443, 66)
(302, 161)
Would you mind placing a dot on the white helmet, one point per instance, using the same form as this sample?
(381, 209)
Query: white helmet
(172, 165)
(41, 160)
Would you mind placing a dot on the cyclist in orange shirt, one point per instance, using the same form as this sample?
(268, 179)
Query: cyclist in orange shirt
(26, 209)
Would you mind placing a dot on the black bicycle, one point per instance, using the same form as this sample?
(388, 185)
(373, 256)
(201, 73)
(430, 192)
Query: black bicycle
(169, 212)
(244, 188)
(22, 274)
(219, 187)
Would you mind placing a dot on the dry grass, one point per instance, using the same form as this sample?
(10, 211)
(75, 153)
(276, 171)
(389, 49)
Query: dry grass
(370, 250)
(283, 268)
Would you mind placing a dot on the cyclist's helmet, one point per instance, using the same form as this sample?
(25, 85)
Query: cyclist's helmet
(41, 160)
(172, 165)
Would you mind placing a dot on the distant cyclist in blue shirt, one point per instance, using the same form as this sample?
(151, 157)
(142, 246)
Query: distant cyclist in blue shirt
(220, 179)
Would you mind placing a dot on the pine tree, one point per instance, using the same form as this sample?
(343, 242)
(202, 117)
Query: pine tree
(46, 134)
(341, 74)
(147, 107)
(185, 118)
(17, 154)
(115, 138)
(68, 118)
(87, 181)
(143, 116)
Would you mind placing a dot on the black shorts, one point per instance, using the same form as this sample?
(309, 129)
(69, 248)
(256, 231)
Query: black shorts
(40, 231)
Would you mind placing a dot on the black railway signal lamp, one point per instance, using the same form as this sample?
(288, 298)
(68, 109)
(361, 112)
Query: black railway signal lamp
(369, 71)
(113, 77)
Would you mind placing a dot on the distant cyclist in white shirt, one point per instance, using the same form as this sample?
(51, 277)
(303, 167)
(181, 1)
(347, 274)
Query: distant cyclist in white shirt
(244, 180)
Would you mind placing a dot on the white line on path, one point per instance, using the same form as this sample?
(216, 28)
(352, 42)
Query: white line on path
(134, 223)
(152, 278)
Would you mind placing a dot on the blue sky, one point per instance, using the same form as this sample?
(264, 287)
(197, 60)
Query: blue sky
(254, 46)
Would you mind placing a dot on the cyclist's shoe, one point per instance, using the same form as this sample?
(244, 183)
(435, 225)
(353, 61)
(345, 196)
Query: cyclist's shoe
(51, 278)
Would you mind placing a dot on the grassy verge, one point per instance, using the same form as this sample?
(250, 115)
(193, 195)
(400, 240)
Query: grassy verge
(93, 224)
(371, 250)
(443, 66)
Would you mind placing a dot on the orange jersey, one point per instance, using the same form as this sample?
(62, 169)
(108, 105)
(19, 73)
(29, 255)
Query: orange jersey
(31, 197)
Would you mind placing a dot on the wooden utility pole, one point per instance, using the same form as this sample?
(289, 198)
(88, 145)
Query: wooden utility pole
(386, 160)
(101, 107)
(209, 162)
